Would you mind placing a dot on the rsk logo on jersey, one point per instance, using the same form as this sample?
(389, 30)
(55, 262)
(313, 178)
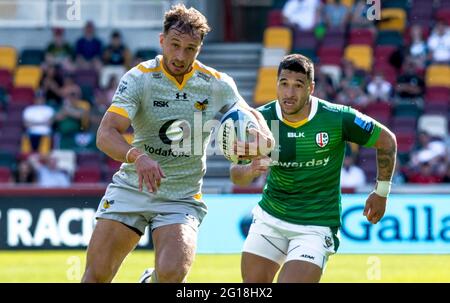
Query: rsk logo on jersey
(201, 106)
(322, 139)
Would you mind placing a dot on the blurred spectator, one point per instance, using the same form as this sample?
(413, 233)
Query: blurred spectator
(353, 96)
(324, 88)
(25, 173)
(398, 178)
(439, 43)
(425, 175)
(336, 15)
(352, 176)
(102, 102)
(71, 118)
(359, 18)
(116, 53)
(303, 14)
(447, 174)
(410, 86)
(350, 76)
(116, 58)
(47, 171)
(89, 48)
(38, 120)
(418, 47)
(379, 89)
(59, 51)
(51, 84)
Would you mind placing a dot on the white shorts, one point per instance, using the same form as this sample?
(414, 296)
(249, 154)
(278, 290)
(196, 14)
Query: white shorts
(281, 241)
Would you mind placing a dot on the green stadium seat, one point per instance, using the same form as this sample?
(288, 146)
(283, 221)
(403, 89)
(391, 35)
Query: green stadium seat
(389, 38)
(32, 57)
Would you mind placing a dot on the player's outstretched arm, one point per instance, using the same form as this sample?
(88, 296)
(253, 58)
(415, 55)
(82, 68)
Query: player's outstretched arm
(386, 147)
(244, 175)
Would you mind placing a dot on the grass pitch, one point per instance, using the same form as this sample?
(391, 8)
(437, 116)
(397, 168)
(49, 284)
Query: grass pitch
(68, 266)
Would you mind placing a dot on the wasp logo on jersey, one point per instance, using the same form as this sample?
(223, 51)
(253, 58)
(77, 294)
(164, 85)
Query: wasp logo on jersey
(201, 106)
(107, 204)
(322, 139)
(204, 76)
(157, 76)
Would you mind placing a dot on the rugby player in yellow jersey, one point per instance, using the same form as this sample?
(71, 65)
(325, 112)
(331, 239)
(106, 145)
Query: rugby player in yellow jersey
(157, 185)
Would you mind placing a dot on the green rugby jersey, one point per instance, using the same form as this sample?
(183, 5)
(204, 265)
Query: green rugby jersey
(303, 184)
(170, 121)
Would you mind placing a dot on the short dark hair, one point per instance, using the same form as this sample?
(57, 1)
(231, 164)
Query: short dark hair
(189, 21)
(298, 63)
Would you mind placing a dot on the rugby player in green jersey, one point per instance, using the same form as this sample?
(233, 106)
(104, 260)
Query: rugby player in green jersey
(167, 100)
(296, 223)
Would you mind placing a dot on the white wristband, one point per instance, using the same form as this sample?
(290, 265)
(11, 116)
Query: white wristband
(383, 188)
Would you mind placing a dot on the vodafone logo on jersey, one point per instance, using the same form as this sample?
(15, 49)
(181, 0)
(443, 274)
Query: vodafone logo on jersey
(322, 139)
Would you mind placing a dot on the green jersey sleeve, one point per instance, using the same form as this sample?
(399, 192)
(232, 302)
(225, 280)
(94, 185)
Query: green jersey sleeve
(359, 128)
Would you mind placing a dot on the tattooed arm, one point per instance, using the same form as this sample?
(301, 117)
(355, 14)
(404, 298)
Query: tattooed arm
(386, 147)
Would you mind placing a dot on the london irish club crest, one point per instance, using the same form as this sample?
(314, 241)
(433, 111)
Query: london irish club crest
(322, 139)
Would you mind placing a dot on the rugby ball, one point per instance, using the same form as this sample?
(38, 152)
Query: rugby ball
(234, 126)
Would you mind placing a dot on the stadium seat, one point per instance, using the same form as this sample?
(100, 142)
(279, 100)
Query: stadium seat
(348, 3)
(8, 58)
(23, 95)
(5, 175)
(87, 77)
(146, 53)
(435, 125)
(407, 109)
(396, 4)
(88, 158)
(393, 38)
(113, 164)
(383, 53)
(392, 19)
(437, 95)
(403, 124)
(443, 15)
(271, 57)
(330, 55)
(334, 37)
(278, 37)
(360, 55)
(266, 87)
(389, 72)
(275, 18)
(32, 57)
(378, 110)
(436, 108)
(361, 36)
(7, 159)
(6, 79)
(405, 141)
(28, 76)
(438, 75)
(307, 52)
(87, 174)
(305, 39)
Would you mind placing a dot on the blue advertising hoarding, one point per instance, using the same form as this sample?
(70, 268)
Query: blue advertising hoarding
(413, 224)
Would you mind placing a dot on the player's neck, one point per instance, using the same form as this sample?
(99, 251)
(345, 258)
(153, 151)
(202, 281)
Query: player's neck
(179, 78)
(301, 115)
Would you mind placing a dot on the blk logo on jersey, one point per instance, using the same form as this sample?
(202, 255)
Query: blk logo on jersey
(322, 139)
(296, 135)
(201, 106)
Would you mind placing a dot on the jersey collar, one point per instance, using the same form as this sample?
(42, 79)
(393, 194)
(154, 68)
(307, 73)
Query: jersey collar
(314, 105)
(172, 78)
